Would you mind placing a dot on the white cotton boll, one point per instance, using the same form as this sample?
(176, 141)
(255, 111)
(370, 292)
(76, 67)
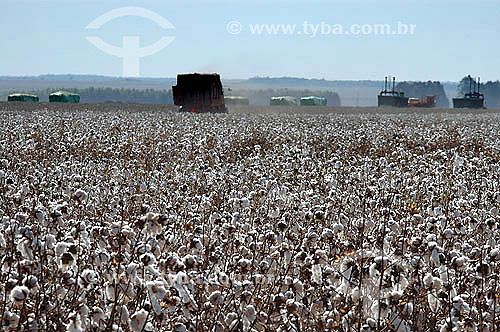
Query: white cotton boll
(110, 291)
(156, 288)
(230, 317)
(61, 248)
(50, 241)
(447, 233)
(250, 313)
(148, 259)
(373, 271)
(19, 294)
(87, 278)
(170, 279)
(223, 279)
(39, 215)
(337, 228)
(61, 292)
(418, 218)
(181, 280)
(216, 298)
(495, 255)
(459, 262)
(261, 279)
(327, 234)
(433, 302)
(437, 283)
(10, 320)
(298, 286)
(115, 171)
(75, 323)
(459, 161)
(435, 257)
(97, 316)
(317, 276)
(443, 275)
(316, 308)
(197, 244)
(370, 225)
(356, 294)
(274, 213)
(81, 195)
(31, 282)
(431, 239)
(245, 202)
(21, 217)
(457, 302)
(288, 257)
(131, 271)
(3, 243)
(155, 304)
(84, 312)
(138, 320)
(189, 261)
(401, 325)
(101, 259)
(321, 256)
(244, 263)
(403, 283)
(25, 248)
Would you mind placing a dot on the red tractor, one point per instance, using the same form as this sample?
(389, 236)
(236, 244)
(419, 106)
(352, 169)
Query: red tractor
(428, 101)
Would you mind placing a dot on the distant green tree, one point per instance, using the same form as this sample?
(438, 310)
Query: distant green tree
(491, 91)
(464, 86)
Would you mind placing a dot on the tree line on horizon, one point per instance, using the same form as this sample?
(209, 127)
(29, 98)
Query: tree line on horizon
(152, 96)
(102, 94)
(490, 89)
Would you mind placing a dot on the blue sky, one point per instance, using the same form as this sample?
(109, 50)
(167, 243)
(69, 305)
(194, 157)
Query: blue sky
(48, 37)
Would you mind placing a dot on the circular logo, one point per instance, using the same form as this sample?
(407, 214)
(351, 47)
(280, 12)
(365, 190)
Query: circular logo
(234, 27)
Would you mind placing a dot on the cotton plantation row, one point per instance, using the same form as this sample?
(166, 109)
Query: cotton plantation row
(130, 219)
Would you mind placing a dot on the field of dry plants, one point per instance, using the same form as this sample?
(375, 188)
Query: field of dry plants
(118, 217)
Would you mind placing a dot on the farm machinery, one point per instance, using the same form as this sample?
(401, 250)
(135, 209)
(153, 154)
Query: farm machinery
(428, 101)
(472, 99)
(392, 97)
(199, 93)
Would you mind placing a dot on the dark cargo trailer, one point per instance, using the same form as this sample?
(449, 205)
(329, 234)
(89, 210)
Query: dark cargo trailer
(200, 93)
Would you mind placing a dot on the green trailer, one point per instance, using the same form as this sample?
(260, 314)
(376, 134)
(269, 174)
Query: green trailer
(283, 100)
(64, 97)
(236, 100)
(313, 101)
(22, 97)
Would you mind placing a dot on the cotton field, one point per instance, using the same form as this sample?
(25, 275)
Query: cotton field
(119, 217)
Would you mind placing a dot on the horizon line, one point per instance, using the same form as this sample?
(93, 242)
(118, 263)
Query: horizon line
(228, 79)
